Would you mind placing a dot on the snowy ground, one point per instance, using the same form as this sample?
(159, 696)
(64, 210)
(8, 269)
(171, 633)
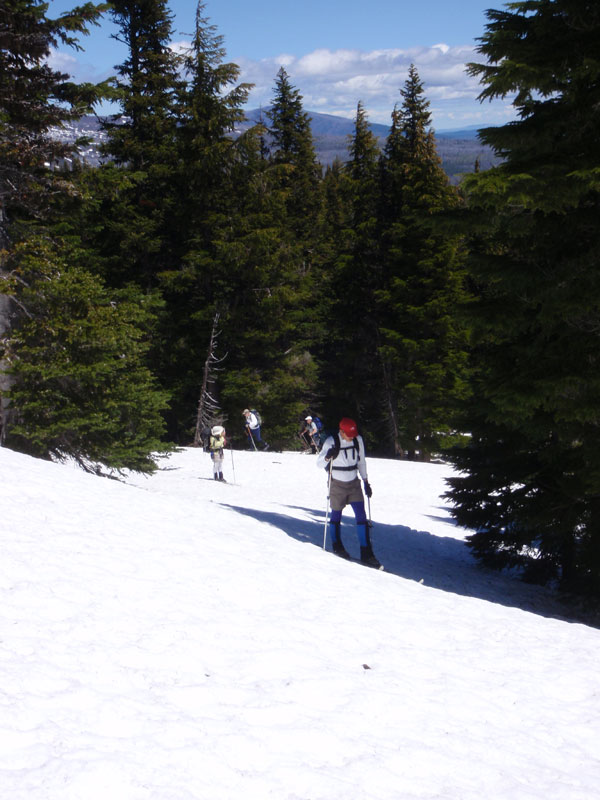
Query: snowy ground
(173, 638)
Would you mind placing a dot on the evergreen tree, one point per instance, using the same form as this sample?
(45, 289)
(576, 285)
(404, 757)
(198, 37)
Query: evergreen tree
(210, 107)
(293, 150)
(269, 254)
(138, 200)
(146, 85)
(33, 99)
(269, 330)
(128, 223)
(351, 345)
(81, 389)
(531, 483)
(334, 400)
(422, 344)
(197, 284)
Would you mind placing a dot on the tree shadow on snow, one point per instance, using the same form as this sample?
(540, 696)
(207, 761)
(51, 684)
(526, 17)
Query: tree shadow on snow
(439, 562)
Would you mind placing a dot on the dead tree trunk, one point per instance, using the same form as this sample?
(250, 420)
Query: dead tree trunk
(5, 379)
(5, 328)
(208, 406)
(392, 421)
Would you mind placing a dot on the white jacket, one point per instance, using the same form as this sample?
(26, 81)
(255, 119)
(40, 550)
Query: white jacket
(252, 422)
(349, 462)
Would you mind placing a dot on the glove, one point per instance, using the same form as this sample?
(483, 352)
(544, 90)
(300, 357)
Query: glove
(368, 490)
(333, 452)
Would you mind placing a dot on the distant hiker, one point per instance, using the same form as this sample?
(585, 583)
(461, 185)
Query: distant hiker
(216, 446)
(205, 438)
(253, 424)
(309, 434)
(344, 454)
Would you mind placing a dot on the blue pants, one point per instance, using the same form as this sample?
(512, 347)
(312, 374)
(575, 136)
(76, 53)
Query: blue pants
(361, 522)
(254, 433)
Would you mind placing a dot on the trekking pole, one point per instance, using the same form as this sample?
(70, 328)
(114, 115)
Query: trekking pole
(232, 461)
(251, 438)
(370, 524)
(327, 512)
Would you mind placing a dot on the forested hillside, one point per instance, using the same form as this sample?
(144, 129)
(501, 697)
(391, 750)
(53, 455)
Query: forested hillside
(461, 151)
(207, 265)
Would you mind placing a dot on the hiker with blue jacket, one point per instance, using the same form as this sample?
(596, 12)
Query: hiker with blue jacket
(343, 456)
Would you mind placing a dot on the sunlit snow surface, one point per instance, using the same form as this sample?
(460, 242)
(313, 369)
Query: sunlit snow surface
(175, 638)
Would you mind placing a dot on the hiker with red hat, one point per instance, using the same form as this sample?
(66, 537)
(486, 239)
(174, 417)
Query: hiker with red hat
(343, 456)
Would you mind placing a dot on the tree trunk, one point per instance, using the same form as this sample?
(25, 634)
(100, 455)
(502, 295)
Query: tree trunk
(207, 405)
(393, 424)
(5, 379)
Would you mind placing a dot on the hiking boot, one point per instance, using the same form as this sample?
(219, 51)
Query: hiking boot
(340, 550)
(367, 557)
(335, 529)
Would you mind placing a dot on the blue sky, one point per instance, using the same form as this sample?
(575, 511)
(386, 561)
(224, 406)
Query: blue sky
(336, 52)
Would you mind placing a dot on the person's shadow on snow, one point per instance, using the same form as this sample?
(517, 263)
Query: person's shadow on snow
(439, 562)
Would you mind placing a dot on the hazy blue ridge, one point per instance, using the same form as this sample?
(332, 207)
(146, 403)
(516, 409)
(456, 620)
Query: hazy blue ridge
(459, 149)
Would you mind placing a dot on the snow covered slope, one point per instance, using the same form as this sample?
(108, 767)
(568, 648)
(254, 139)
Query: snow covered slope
(174, 638)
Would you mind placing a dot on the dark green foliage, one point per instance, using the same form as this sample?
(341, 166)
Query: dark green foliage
(142, 141)
(267, 248)
(351, 222)
(292, 149)
(270, 304)
(422, 343)
(146, 86)
(34, 98)
(199, 224)
(532, 487)
(207, 183)
(81, 389)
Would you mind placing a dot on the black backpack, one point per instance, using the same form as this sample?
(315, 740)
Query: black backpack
(338, 444)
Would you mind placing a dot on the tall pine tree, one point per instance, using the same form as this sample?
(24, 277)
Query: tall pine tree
(422, 344)
(352, 341)
(126, 224)
(531, 482)
(81, 387)
(273, 252)
(292, 148)
(73, 360)
(33, 99)
(136, 186)
(197, 284)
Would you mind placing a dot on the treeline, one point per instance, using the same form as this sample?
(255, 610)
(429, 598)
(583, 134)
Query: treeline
(194, 274)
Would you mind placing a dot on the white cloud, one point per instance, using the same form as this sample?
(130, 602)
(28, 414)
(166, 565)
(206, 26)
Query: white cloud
(77, 70)
(62, 61)
(334, 81)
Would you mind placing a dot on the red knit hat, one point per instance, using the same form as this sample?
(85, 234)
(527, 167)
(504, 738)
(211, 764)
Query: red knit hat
(349, 427)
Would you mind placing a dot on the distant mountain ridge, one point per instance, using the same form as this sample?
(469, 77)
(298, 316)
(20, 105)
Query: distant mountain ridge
(458, 149)
(332, 125)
